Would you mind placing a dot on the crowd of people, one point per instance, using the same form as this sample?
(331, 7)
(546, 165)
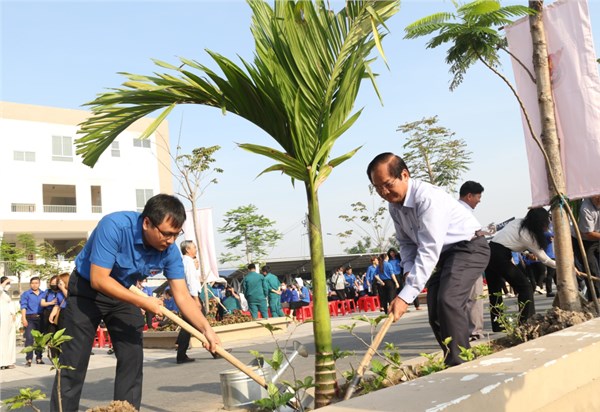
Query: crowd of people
(445, 249)
(442, 248)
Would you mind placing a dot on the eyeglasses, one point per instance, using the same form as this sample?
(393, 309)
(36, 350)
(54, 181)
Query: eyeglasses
(167, 235)
(387, 185)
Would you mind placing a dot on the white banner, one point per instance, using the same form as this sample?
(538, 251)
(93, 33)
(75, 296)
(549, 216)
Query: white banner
(576, 91)
(206, 243)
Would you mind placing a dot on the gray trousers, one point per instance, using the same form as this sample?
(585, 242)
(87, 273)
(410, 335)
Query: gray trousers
(448, 290)
(475, 309)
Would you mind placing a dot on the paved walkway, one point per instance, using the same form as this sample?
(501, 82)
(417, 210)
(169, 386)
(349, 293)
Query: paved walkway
(196, 386)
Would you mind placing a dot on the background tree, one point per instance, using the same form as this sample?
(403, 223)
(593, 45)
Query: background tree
(19, 257)
(308, 66)
(251, 232)
(474, 37)
(433, 154)
(195, 175)
(372, 223)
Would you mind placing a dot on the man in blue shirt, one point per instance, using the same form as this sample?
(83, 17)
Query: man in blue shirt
(31, 312)
(434, 232)
(124, 247)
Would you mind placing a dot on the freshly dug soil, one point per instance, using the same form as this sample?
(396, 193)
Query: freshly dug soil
(540, 324)
(114, 406)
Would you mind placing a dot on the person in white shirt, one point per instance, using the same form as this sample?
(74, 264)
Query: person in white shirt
(470, 196)
(192, 279)
(434, 232)
(517, 236)
(589, 226)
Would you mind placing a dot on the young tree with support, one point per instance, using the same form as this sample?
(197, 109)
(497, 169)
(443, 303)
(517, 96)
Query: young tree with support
(473, 35)
(301, 88)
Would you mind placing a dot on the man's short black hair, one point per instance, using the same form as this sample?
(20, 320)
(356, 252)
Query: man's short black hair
(395, 164)
(470, 187)
(266, 268)
(251, 266)
(164, 206)
(34, 278)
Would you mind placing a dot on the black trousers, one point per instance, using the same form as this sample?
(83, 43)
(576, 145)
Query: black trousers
(448, 290)
(499, 270)
(124, 321)
(34, 322)
(183, 343)
(387, 293)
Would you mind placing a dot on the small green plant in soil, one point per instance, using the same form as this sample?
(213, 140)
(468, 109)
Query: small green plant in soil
(288, 392)
(50, 342)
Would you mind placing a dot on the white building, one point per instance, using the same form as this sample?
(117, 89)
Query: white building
(47, 191)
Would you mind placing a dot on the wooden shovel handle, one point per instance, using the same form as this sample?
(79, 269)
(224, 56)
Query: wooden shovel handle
(366, 360)
(198, 335)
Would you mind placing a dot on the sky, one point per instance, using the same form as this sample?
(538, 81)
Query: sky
(64, 53)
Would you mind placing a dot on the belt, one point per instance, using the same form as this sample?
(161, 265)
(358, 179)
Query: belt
(32, 316)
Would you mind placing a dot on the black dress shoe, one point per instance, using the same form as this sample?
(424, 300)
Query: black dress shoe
(550, 295)
(39, 361)
(185, 360)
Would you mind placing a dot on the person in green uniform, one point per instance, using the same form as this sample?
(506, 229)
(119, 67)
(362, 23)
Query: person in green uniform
(255, 291)
(274, 292)
(231, 300)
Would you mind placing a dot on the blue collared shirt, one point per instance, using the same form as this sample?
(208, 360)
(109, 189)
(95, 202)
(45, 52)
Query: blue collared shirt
(117, 244)
(388, 271)
(50, 295)
(396, 266)
(31, 302)
(427, 223)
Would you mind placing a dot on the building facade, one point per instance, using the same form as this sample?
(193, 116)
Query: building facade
(46, 190)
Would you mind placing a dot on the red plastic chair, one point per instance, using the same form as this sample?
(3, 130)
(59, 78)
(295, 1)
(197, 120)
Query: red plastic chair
(304, 313)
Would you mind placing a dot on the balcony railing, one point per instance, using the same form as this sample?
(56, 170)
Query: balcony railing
(22, 207)
(96, 209)
(60, 209)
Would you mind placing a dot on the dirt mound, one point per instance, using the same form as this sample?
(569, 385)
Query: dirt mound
(115, 406)
(553, 320)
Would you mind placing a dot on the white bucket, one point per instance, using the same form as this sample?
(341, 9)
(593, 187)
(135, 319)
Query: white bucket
(239, 390)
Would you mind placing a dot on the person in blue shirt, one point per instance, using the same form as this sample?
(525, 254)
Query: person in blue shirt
(286, 295)
(303, 295)
(351, 284)
(169, 302)
(124, 247)
(370, 277)
(31, 317)
(53, 297)
(389, 283)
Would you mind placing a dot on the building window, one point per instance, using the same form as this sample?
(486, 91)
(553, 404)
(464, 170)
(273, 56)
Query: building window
(62, 148)
(22, 207)
(96, 192)
(145, 143)
(114, 149)
(141, 197)
(22, 156)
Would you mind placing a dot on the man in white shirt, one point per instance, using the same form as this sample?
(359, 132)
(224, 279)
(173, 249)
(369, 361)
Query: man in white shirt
(192, 279)
(589, 226)
(434, 232)
(470, 196)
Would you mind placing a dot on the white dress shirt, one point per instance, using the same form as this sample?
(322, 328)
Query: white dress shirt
(511, 237)
(429, 222)
(192, 275)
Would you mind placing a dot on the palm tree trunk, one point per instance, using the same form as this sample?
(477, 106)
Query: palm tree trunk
(325, 378)
(565, 275)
